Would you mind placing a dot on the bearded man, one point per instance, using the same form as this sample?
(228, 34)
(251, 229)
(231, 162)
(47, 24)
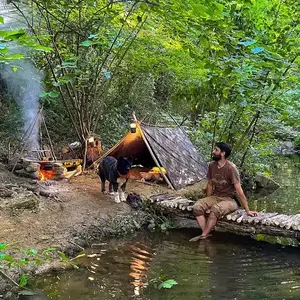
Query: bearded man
(223, 181)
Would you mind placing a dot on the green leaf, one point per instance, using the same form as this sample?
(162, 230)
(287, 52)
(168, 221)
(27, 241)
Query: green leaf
(167, 284)
(12, 35)
(247, 43)
(79, 255)
(53, 94)
(75, 266)
(15, 68)
(257, 50)
(32, 251)
(63, 257)
(6, 257)
(42, 48)
(51, 249)
(86, 43)
(23, 280)
(3, 246)
(92, 36)
(9, 57)
(43, 95)
(1, 20)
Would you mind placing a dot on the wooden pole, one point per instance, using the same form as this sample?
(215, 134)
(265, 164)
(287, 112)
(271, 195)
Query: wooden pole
(48, 135)
(154, 157)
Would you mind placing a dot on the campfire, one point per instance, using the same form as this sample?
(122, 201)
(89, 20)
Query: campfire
(47, 170)
(46, 175)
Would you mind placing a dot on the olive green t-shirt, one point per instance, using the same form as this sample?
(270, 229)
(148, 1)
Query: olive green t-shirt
(223, 179)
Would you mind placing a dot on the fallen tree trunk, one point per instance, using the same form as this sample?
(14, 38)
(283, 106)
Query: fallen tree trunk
(180, 210)
(244, 229)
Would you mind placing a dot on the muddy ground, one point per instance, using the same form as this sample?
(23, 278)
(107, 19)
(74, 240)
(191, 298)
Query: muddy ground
(67, 215)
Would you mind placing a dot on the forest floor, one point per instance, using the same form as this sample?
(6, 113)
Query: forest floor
(66, 215)
(75, 213)
(35, 221)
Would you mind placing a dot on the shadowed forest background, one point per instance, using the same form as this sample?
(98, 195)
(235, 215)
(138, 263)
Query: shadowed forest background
(225, 70)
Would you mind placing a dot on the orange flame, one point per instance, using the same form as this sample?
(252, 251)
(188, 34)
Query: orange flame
(46, 174)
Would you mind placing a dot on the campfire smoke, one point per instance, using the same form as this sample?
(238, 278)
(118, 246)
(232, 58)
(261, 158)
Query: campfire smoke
(25, 86)
(23, 82)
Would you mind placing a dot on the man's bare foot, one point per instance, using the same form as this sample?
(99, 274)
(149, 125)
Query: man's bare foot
(199, 237)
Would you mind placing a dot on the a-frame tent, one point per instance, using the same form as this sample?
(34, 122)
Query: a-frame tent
(165, 147)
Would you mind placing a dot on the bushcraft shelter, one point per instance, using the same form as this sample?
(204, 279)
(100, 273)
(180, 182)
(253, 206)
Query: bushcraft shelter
(165, 147)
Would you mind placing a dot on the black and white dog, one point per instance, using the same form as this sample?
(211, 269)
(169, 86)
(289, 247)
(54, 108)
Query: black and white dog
(115, 171)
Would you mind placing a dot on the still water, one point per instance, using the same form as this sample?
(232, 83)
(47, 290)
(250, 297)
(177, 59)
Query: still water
(286, 199)
(223, 267)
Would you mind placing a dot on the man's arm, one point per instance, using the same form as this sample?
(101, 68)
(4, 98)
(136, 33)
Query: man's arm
(243, 199)
(209, 188)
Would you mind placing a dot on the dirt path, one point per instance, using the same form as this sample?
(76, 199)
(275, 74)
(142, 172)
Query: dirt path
(61, 221)
(78, 206)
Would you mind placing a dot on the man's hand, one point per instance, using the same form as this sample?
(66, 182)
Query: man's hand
(252, 213)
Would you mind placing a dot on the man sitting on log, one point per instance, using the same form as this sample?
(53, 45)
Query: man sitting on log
(223, 180)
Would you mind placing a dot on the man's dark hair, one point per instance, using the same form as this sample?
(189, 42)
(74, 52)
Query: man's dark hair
(224, 147)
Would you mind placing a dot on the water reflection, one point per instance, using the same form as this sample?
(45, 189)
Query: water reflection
(224, 267)
(139, 265)
(287, 198)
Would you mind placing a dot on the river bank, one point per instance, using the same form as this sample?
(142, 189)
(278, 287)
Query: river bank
(72, 218)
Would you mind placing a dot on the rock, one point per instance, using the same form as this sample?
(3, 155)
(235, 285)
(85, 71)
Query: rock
(265, 182)
(60, 170)
(33, 167)
(30, 295)
(134, 200)
(15, 166)
(4, 192)
(24, 201)
(24, 173)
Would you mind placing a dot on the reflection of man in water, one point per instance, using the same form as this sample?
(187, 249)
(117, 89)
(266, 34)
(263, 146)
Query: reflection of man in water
(223, 180)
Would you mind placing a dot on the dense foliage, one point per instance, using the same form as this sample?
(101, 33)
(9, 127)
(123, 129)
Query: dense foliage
(228, 68)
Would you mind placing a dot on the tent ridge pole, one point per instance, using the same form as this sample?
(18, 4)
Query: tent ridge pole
(155, 159)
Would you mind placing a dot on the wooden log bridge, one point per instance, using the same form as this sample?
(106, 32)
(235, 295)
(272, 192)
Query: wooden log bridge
(180, 209)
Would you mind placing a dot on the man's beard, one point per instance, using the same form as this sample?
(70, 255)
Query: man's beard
(216, 158)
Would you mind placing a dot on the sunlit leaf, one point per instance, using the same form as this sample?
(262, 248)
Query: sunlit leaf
(43, 94)
(42, 48)
(167, 284)
(3, 246)
(33, 251)
(92, 36)
(75, 266)
(247, 43)
(86, 43)
(257, 50)
(107, 74)
(53, 94)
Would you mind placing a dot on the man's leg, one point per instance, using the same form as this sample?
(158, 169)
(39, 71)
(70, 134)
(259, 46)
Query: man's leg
(223, 207)
(210, 225)
(201, 221)
(199, 209)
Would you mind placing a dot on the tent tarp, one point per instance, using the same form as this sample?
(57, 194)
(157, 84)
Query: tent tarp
(176, 153)
(172, 148)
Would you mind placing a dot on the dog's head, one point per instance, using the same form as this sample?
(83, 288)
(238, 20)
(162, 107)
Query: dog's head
(124, 164)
